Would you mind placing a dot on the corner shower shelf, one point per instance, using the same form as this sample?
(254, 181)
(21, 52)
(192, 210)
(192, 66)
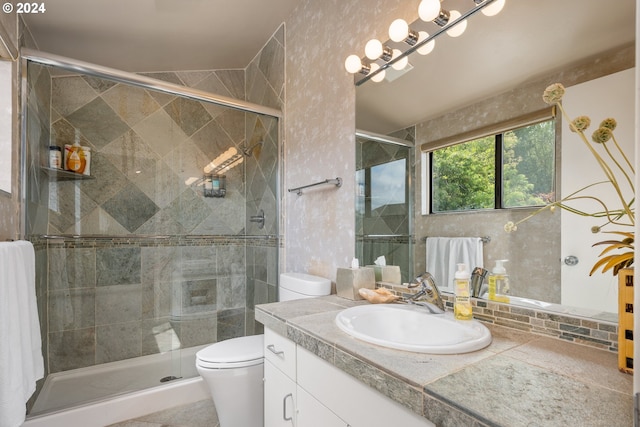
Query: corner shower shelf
(62, 175)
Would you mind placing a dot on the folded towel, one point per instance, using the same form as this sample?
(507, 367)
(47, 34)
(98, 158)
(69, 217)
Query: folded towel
(21, 362)
(443, 253)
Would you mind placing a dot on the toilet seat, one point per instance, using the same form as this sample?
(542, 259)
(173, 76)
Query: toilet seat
(232, 353)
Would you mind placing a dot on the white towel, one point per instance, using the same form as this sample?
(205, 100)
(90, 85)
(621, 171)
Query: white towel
(21, 362)
(444, 253)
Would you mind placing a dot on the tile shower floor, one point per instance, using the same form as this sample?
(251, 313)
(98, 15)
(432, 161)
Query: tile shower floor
(198, 414)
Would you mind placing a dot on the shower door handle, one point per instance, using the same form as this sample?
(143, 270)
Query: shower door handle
(258, 219)
(284, 407)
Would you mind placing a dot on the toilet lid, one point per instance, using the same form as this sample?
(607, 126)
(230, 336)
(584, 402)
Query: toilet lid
(234, 352)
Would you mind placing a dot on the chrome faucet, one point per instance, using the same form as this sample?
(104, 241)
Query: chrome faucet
(428, 296)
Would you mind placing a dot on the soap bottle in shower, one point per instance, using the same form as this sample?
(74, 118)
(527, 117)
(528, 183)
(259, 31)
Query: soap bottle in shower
(462, 309)
(499, 282)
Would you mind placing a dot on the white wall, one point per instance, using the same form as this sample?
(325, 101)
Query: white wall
(608, 96)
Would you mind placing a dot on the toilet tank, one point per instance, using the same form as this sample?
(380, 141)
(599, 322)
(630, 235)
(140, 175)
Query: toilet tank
(299, 285)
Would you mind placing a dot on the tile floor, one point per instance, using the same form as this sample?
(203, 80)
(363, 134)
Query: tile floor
(198, 414)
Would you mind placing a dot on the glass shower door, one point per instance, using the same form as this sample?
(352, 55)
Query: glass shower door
(384, 202)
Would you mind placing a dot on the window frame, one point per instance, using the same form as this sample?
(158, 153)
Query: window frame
(496, 130)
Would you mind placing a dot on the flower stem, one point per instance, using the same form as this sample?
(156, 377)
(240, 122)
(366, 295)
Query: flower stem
(603, 165)
(626, 159)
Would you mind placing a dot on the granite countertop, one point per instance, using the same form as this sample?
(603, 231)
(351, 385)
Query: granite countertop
(521, 379)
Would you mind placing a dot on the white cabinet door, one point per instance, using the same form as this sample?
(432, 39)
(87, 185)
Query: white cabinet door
(312, 413)
(352, 400)
(279, 398)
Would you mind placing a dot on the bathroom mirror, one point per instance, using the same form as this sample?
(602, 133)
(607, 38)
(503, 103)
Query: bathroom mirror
(499, 54)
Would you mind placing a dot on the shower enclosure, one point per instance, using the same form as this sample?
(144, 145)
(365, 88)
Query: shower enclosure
(384, 199)
(137, 266)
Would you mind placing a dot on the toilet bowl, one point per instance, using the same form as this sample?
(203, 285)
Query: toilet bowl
(233, 369)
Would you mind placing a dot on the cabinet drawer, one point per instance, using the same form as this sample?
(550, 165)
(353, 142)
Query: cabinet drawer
(281, 352)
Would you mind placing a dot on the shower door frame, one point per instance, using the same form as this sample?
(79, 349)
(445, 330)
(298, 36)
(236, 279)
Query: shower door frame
(386, 139)
(144, 82)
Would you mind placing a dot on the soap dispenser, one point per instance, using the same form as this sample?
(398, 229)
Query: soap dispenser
(462, 309)
(499, 282)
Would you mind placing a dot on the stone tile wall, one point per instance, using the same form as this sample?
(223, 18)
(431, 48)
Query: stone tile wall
(111, 298)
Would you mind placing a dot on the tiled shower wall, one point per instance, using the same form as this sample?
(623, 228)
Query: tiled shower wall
(195, 281)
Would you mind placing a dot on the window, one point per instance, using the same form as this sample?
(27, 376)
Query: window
(388, 184)
(509, 169)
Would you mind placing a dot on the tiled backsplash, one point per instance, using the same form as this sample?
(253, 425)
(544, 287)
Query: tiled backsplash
(590, 332)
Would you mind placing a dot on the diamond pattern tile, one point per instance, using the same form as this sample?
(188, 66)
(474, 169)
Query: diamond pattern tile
(188, 114)
(98, 122)
(131, 208)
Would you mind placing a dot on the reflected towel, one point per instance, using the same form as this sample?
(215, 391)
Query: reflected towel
(21, 362)
(444, 253)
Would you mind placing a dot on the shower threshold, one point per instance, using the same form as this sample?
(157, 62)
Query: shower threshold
(67, 389)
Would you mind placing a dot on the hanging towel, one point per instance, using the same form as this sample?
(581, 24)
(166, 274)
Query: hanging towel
(444, 253)
(21, 362)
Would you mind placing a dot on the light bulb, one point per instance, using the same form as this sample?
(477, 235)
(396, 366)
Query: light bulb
(427, 48)
(460, 27)
(399, 30)
(380, 76)
(494, 8)
(429, 10)
(373, 49)
(353, 64)
(400, 65)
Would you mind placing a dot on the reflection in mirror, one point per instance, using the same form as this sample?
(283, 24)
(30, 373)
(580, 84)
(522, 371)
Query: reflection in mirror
(384, 199)
(483, 78)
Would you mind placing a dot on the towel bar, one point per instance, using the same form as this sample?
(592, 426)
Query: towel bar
(485, 239)
(298, 190)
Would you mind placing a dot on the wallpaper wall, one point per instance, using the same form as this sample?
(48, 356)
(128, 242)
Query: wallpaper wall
(320, 126)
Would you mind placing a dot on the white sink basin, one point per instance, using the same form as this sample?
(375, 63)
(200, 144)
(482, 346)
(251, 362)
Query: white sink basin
(412, 328)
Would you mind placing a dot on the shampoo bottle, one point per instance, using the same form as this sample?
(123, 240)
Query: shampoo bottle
(462, 309)
(499, 282)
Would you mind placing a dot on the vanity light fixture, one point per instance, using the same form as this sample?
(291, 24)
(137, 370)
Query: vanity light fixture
(354, 64)
(379, 57)
(402, 63)
(378, 77)
(399, 31)
(457, 30)
(494, 9)
(375, 50)
(425, 48)
(429, 10)
(222, 159)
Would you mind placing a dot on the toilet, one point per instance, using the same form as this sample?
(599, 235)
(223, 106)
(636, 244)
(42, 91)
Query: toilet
(233, 369)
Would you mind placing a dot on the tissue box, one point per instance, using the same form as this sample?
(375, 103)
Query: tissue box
(387, 273)
(350, 280)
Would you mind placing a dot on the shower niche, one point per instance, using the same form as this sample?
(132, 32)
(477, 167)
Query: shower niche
(136, 268)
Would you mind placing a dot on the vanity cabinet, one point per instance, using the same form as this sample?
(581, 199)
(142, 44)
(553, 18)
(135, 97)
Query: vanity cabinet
(279, 380)
(303, 390)
(279, 397)
(311, 413)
